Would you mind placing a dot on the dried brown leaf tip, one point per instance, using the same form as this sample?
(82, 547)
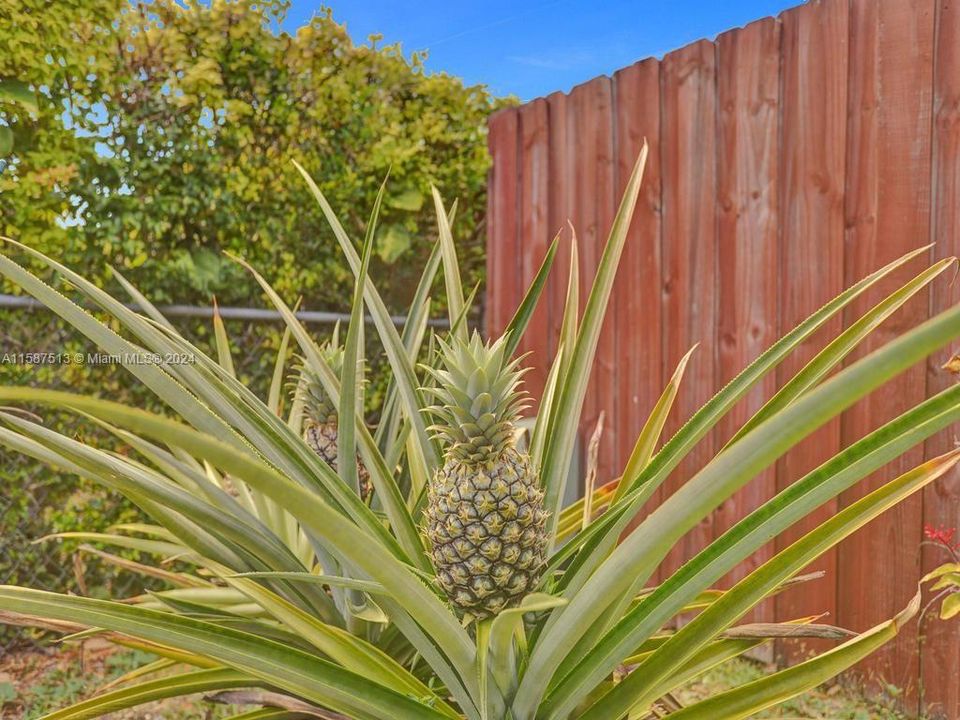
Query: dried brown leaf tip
(952, 365)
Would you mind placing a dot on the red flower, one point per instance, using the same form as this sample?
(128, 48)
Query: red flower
(943, 535)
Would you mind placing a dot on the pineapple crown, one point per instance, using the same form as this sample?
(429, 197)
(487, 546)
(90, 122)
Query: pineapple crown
(317, 405)
(478, 398)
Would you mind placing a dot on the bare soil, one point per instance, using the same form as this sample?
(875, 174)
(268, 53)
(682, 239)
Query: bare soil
(35, 682)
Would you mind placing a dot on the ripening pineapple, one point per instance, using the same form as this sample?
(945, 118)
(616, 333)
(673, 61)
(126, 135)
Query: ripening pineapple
(320, 417)
(485, 516)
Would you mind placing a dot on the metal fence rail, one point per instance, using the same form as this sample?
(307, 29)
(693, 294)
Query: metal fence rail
(232, 313)
(51, 566)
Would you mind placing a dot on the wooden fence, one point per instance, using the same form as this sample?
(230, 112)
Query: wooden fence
(788, 159)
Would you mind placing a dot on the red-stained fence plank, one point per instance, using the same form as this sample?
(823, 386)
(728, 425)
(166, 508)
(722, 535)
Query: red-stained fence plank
(887, 214)
(787, 161)
(940, 658)
(503, 223)
(534, 239)
(590, 131)
(637, 289)
(560, 199)
(748, 89)
(689, 290)
(814, 128)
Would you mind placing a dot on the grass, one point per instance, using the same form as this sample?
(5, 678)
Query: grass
(33, 684)
(833, 701)
(60, 684)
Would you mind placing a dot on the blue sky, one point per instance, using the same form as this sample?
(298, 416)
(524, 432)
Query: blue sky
(533, 47)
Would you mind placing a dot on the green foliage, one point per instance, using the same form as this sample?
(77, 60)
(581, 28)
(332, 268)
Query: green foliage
(947, 576)
(162, 136)
(13, 92)
(60, 679)
(38, 501)
(829, 701)
(296, 582)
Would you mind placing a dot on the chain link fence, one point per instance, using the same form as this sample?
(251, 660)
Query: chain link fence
(22, 562)
(37, 500)
(25, 519)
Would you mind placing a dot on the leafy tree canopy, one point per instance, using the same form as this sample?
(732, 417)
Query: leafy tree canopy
(164, 134)
(152, 136)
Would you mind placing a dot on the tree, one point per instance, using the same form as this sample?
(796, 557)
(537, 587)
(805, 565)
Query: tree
(165, 135)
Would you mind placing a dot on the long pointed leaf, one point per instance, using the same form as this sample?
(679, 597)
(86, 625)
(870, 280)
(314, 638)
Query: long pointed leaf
(521, 318)
(451, 269)
(738, 600)
(608, 528)
(230, 398)
(222, 340)
(650, 434)
(350, 652)
(403, 369)
(140, 299)
(350, 410)
(414, 330)
(355, 544)
(842, 345)
(749, 699)
(196, 681)
(632, 562)
(573, 389)
(384, 484)
(240, 541)
(171, 391)
(276, 382)
(773, 517)
(305, 675)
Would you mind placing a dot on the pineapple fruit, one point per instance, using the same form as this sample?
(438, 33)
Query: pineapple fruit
(485, 516)
(320, 417)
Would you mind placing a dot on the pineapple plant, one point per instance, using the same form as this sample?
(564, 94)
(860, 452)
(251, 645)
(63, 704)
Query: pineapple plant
(465, 589)
(320, 414)
(485, 516)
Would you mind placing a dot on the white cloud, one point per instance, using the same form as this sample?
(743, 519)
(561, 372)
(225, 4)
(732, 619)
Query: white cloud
(562, 60)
